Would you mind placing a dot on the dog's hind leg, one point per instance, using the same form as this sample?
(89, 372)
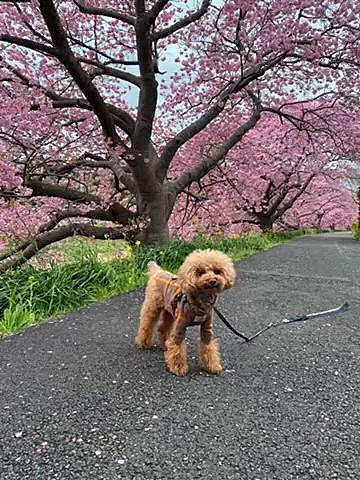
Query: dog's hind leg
(149, 317)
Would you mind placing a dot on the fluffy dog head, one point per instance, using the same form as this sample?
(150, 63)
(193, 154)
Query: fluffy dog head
(207, 270)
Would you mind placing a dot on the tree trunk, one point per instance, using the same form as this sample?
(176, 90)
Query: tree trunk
(266, 224)
(319, 218)
(157, 233)
(158, 210)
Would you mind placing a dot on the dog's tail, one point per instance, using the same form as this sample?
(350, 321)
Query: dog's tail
(153, 267)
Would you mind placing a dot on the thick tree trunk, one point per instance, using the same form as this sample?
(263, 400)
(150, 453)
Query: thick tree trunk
(157, 233)
(319, 218)
(266, 224)
(158, 210)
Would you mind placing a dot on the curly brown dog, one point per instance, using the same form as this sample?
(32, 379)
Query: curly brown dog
(177, 302)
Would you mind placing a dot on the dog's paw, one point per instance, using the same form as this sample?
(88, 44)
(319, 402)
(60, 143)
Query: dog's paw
(180, 371)
(213, 369)
(143, 342)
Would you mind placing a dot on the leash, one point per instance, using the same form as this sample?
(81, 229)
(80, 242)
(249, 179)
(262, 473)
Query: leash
(333, 311)
(230, 327)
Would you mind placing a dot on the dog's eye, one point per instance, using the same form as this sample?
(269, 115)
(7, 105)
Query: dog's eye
(200, 272)
(217, 271)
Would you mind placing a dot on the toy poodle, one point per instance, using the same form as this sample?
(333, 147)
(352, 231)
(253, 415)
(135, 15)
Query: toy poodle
(175, 302)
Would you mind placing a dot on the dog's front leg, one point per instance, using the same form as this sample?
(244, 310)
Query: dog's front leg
(208, 348)
(165, 326)
(175, 353)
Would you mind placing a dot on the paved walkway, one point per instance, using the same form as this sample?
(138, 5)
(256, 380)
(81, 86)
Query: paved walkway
(79, 401)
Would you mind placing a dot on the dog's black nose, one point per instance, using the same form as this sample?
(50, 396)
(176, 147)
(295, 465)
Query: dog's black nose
(212, 283)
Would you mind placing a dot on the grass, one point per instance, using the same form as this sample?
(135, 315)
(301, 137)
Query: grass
(355, 229)
(69, 249)
(89, 271)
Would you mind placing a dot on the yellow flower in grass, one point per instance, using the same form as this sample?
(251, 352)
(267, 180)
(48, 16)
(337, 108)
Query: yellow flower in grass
(128, 251)
(137, 243)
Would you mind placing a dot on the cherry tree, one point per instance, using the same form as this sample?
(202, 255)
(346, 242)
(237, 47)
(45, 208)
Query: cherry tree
(328, 204)
(266, 175)
(76, 152)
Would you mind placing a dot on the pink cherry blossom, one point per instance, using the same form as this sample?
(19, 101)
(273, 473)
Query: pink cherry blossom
(123, 118)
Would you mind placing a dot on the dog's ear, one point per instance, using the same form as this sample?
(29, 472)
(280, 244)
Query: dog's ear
(229, 275)
(186, 280)
(187, 276)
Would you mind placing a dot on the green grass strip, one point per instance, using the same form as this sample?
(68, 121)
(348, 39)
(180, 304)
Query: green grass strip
(29, 294)
(355, 229)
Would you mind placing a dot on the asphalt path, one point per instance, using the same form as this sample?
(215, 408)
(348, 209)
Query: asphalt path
(79, 401)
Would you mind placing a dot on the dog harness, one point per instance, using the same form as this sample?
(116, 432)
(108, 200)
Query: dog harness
(186, 309)
(172, 292)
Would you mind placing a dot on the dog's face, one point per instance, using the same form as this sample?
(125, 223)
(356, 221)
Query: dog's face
(209, 278)
(207, 271)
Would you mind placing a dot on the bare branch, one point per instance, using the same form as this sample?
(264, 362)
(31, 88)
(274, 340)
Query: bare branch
(182, 23)
(60, 233)
(140, 8)
(148, 90)
(46, 189)
(98, 162)
(198, 125)
(121, 118)
(115, 213)
(186, 134)
(105, 12)
(202, 168)
(291, 202)
(72, 65)
(31, 44)
(156, 9)
(110, 71)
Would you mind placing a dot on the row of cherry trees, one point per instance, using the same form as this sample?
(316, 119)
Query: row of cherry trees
(278, 177)
(256, 111)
